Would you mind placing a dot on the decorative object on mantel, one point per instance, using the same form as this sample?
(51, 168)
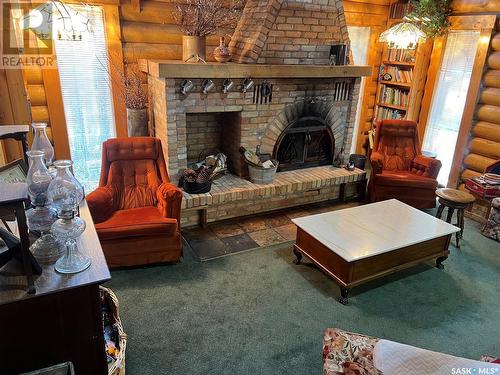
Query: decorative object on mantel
(227, 85)
(247, 84)
(339, 54)
(432, 15)
(66, 194)
(404, 35)
(222, 53)
(207, 86)
(200, 18)
(186, 86)
(263, 93)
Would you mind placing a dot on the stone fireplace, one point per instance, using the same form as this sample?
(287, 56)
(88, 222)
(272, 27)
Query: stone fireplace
(306, 123)
(300, 110)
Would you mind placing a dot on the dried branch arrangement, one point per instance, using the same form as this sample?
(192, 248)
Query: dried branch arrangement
(134, 94)
(127, 81)
(206, 17)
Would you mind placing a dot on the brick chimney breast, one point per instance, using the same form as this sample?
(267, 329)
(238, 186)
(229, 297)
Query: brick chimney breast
(289, 31)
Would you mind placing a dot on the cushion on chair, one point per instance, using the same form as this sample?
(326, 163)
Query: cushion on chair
(405, 179)
(136, 222)
(134, 183)
(136, 148)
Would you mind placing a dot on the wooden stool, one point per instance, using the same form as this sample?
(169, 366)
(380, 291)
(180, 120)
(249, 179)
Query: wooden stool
(455, 200)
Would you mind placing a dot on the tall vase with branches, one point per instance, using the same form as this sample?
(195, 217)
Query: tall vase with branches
(126, 82)
(200, 18)
(136, 101)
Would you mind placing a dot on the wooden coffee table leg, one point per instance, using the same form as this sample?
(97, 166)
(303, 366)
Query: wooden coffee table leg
(298, 255)
(344, 293)
(439, 262)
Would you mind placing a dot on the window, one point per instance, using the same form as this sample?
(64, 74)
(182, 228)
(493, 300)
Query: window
(449, 98)
(360, 38)
(86, 96)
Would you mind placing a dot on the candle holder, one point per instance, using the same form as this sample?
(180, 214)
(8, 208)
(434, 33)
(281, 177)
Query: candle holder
(66, 194)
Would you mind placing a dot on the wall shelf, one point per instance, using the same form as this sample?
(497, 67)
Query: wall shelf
(178, 69)
(393, 106)
(400, 63)
(395, 83)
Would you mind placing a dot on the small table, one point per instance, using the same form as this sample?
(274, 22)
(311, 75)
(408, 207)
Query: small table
(62, 321)
(455, 200)
(359, 244)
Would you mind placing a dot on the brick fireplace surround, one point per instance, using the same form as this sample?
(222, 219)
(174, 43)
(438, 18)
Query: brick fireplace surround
(283, 44)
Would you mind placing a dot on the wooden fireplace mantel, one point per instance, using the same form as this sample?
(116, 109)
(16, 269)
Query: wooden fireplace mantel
(177, 69)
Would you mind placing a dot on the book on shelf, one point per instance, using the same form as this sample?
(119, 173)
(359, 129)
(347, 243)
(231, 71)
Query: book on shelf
(401, 55)
(394, 96)
(384, 113)
(397, 74)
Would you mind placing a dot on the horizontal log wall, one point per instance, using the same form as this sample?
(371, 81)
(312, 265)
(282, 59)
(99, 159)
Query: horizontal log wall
(484, 145)
(37, 95)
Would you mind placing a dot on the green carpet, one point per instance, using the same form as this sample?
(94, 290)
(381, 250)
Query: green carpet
(258, 313)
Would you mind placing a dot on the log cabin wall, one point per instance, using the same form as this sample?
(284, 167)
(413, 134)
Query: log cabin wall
(478, 142)
(150, 32)
(484, 144)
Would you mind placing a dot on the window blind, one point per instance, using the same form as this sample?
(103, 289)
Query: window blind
(360, 39)
(449, 97)
(87, 99)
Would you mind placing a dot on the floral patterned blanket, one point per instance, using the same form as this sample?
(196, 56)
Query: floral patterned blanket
(348, 353)
(352, 353)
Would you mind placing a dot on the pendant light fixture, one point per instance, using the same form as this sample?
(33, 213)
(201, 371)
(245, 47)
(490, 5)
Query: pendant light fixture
(404, 35)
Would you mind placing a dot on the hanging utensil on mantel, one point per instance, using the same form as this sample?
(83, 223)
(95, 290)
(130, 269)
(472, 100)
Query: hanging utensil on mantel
(267, 92)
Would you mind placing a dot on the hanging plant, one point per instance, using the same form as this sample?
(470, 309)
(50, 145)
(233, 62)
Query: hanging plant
(432, 16)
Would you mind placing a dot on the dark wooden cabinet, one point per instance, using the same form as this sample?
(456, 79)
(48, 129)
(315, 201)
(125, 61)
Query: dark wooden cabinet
(61, 322)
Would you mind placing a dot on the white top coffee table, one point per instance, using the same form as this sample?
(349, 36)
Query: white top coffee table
(359, 244)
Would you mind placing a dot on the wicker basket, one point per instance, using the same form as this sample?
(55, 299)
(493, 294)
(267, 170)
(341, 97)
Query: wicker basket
(118, 366)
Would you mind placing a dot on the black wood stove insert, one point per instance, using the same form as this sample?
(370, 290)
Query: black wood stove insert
(306, 142)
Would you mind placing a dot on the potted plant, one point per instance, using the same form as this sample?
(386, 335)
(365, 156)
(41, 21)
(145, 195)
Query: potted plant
(432, 15)
(199, 18)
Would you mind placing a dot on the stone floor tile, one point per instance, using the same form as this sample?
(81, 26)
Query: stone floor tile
(267, 237)
(288, 232)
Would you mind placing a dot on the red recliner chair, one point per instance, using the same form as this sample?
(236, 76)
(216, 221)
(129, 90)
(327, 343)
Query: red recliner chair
(136, 210)
(399, 169)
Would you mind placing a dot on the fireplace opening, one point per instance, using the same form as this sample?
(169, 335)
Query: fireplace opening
(306, 142)
(212, 132)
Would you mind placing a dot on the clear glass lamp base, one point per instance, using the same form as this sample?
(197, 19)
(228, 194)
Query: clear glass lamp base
(73, 261)
(40, 218)
(47, 249)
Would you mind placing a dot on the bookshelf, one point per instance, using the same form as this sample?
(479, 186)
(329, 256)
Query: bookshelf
(402, 75)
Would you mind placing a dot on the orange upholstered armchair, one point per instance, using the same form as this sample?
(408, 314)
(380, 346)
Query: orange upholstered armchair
(399, 169)
(136, 210)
